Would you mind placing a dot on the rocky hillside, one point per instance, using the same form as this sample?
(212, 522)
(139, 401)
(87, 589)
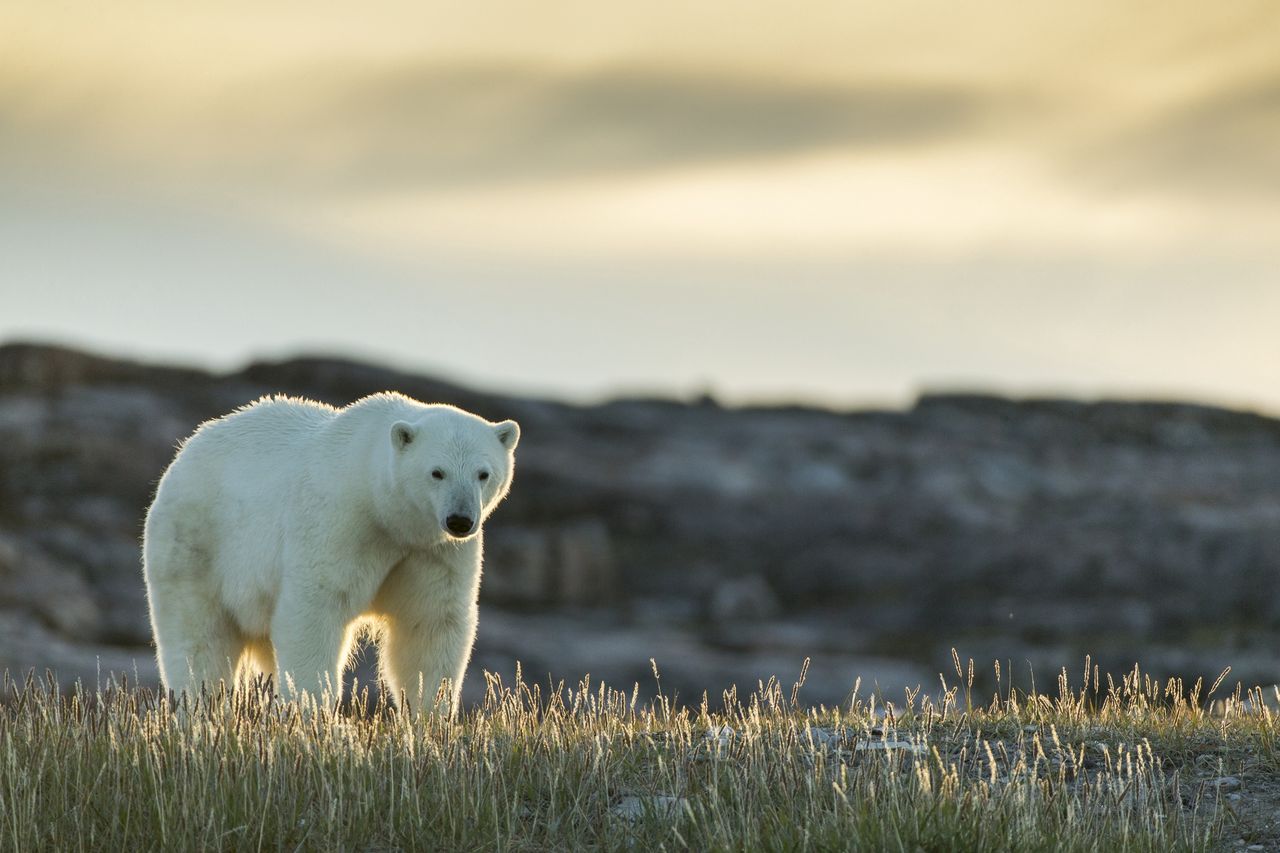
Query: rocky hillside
(729, 544)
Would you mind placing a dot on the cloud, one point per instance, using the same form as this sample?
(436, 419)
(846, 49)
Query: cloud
(501, 124)
(446, 126)
(1222, 144)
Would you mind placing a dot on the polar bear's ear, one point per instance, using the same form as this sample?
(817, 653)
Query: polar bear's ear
(508, 433)
(402, 434)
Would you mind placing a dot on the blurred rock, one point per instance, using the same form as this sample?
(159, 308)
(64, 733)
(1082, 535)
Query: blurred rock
(748, 599)
(517, 566)
(587, 574)
(571, 565)
(51, 592)
(27, 646)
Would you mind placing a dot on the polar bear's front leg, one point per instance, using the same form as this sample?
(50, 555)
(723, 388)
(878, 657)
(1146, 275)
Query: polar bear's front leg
(310, 635)
(422, 657)
(429, 615)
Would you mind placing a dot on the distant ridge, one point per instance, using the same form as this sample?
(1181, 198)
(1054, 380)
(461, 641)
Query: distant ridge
(728, 543)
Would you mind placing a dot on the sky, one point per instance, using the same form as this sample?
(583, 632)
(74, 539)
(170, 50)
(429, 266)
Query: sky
(844, 203)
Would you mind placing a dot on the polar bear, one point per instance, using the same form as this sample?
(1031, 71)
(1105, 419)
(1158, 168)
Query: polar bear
(281, 529)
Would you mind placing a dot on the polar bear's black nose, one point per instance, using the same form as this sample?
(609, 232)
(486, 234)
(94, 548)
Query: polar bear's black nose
(459, 525)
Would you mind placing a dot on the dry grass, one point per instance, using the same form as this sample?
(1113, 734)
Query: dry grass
(1094, 767)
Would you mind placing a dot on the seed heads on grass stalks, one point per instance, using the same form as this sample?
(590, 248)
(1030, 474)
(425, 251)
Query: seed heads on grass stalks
(591, 767)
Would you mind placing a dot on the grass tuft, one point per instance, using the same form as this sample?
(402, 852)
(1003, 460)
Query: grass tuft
(1128, 764)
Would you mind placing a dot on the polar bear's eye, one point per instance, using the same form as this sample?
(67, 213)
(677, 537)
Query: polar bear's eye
(437, 474)
(483, 475)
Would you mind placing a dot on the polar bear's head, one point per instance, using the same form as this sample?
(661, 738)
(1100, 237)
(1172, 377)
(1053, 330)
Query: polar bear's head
(453, 467)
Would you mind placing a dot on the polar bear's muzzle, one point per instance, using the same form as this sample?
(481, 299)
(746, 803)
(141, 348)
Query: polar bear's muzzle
(459, 525)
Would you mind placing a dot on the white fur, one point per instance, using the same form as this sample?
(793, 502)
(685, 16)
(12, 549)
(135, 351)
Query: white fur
(282, 527)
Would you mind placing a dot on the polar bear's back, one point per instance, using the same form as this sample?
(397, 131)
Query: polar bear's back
(269, 423)
(222, 505)
(251, 451)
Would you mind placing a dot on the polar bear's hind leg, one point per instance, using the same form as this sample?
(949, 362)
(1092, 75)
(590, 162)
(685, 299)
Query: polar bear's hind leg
(197, 642)
(195, 648)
